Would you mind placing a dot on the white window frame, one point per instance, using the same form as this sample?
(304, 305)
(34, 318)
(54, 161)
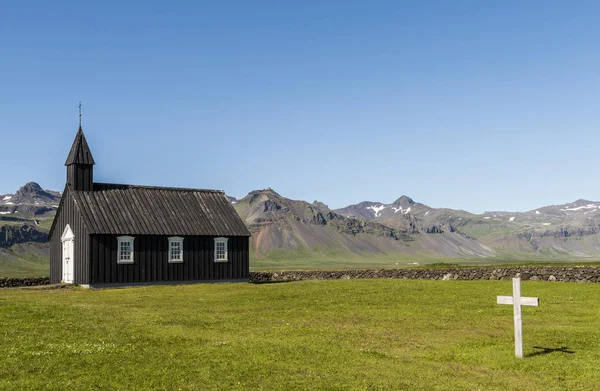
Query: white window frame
(125, 239)
(175, 239)
(224, 241)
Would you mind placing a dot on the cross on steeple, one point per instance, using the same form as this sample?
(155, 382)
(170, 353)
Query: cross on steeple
(80, 114)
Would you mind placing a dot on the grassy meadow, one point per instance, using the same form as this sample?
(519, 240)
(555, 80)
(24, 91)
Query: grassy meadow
(276, 260)
(344, 334)
(24, 260)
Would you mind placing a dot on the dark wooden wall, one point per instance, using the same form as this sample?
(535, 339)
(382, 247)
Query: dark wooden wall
(151, 264)
(80, 176)
(68, 214)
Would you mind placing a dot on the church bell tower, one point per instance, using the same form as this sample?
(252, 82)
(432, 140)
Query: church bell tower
(80, 164)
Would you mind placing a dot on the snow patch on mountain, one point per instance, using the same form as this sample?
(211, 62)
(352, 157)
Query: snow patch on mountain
(6, 198)
(4, 213)
(537, 212)
(400, 209)
(377, 209)
(512, 218)
(9, 203)
(588, 206)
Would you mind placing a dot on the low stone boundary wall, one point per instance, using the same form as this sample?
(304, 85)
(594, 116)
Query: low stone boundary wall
(533, 273)
(18, 282)
(587, 274)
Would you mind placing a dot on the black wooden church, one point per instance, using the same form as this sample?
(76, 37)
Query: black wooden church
(109, 234)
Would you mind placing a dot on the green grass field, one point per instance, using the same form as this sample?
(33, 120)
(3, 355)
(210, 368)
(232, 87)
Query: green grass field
(19, 262)
(344, 334)
(277, 260)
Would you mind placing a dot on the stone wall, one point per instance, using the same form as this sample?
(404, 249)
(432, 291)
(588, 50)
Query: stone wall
(18, 282)
(534, 273)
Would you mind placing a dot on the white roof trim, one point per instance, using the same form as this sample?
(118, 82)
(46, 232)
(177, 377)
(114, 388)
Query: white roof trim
(67, 234)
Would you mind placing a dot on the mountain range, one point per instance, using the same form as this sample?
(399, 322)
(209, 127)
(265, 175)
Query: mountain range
(406, 230)
(297, 234)
(556, 231)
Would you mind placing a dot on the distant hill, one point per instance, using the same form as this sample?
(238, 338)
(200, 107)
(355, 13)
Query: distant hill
(30, 202)
(25, 218)
(282, 228)
(565, 231)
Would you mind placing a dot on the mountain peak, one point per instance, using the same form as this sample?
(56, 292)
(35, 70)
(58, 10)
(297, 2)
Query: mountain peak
(404, 200)
(261, 195)
(32, 192)
(583, 202)
(31, 188)
(320, 205)
(269, 190)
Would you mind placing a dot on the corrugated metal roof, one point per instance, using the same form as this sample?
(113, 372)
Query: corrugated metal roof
(144, 210)
(80, 151)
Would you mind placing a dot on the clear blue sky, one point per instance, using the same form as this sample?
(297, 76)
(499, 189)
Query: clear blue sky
(476, 105)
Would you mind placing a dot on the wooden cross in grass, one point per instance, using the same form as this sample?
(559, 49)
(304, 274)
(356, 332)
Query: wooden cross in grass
(517, 301)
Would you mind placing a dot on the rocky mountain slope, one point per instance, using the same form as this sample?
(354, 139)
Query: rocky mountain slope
(562, 231)
(25, 218)
(278, 223)
(30, 201)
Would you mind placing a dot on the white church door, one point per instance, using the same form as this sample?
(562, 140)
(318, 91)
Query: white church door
(68, 247)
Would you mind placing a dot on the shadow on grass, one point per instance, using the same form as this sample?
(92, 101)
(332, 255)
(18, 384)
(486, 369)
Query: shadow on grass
(564, 349)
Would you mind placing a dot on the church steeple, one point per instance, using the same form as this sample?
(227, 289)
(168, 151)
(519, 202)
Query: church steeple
(80, 164)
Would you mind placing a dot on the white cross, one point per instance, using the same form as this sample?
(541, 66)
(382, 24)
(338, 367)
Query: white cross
(517, 301)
